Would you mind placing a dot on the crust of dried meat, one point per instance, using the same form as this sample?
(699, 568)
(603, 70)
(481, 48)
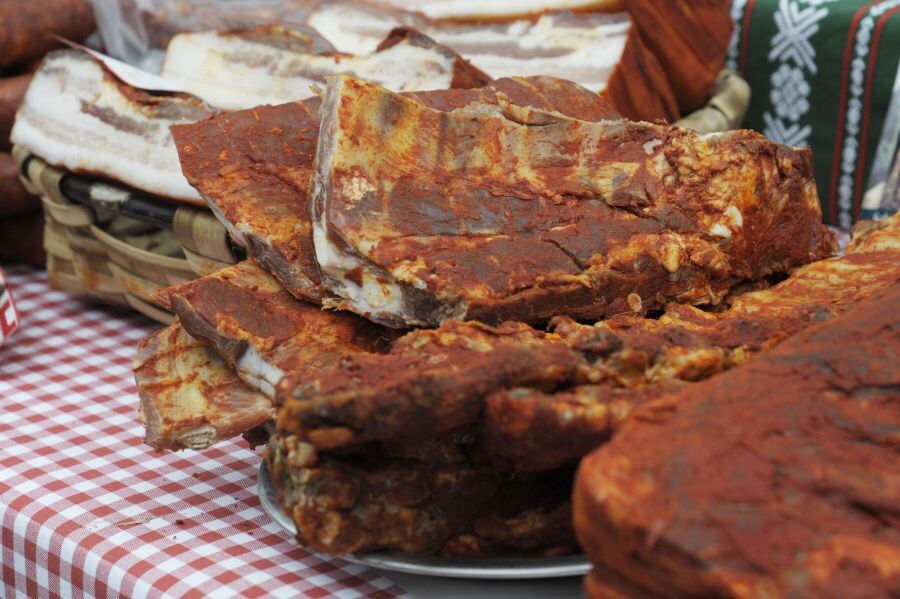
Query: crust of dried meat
(538, 400)
(504, 213)
(253, 168)
(782, 481)
(529, 430)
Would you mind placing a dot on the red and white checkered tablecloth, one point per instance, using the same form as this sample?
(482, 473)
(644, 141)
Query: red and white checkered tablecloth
(88, 510)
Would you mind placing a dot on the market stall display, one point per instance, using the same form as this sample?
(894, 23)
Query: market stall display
(491, 291)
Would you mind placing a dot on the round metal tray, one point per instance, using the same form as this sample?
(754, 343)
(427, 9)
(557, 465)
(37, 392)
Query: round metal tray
(511, 568)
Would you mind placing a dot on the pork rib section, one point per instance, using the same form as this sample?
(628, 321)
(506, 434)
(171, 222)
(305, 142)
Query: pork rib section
(190, 398)
(499, 212)
(775, 479)
(254, 166)
(263, 332)
(266, 65)
(78, 115)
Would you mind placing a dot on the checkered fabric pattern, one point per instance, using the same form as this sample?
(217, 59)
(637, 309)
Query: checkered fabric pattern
(88, 510)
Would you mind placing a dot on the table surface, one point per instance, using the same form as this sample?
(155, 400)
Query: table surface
(88, 510)
(85, 505)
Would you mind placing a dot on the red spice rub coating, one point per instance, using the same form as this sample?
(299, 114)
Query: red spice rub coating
(254, 166)
(778, 478)
(515, 214)
(430, 382)
(632, 359)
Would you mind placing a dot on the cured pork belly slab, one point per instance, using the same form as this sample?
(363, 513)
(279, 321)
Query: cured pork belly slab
(428, 383)
(776, 479)
(634, 360)
(254, 166)
(603, 52)
(263, 332)
(584, 380)
(78, 115)
(269, 65)
(190, 399)
(500, 212)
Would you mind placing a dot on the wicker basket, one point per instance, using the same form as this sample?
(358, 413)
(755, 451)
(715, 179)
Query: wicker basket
(92, 248)
(97, 245)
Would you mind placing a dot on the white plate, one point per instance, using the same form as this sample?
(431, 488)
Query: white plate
(511, 568)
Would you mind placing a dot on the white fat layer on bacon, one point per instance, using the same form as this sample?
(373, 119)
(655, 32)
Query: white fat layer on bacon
(378, 296)
(352, 29)
(582, 52)
(495, 9)
(581, 48)
(234, 73)
(52, 124)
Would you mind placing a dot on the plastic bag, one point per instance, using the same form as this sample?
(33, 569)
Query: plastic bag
(137, 31)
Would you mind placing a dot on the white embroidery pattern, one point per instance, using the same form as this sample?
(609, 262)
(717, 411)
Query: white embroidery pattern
(790, 92)
(850, 148)
(797, 21)
(734, 45)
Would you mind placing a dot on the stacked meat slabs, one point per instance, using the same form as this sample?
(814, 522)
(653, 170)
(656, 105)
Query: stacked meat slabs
(462, 439)
(502, 218)
(122, 220)
(782, 478)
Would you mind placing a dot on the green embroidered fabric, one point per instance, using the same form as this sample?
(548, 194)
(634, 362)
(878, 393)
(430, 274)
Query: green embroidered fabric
(822, 73)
